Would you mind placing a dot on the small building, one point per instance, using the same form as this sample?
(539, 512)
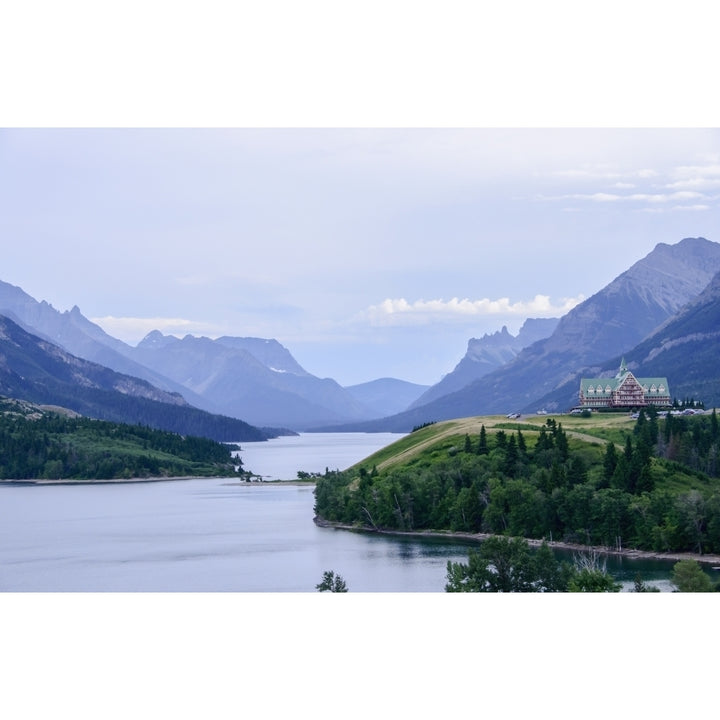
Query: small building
(624, 391)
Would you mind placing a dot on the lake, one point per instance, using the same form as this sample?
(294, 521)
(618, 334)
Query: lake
(217, 535)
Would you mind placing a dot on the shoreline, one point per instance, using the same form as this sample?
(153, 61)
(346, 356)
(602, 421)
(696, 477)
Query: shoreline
(111, 481)
(630, 553)
(123, 481)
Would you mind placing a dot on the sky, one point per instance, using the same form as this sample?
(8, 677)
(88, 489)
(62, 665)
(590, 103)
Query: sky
(367, 252)
(372, 184)
(371, 189)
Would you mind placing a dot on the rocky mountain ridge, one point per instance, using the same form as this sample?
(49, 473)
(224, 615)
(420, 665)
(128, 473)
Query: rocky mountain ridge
(259, 380)
(610, 323)
(491, 351)
(684, 349)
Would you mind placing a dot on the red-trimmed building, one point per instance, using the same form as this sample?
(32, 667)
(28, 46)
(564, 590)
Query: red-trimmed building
(624, 391)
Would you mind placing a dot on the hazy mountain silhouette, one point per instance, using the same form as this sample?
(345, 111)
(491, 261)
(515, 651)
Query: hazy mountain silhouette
(611, 322)
(36, 370)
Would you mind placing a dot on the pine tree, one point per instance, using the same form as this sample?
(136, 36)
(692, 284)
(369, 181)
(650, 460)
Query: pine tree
(609, 463)
(482, 444)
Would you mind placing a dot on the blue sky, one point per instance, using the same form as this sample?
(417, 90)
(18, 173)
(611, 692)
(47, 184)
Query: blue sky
(367, 252)
(372, 189)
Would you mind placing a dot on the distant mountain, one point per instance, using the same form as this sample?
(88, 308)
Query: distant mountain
(228, 374)
(72, 331)
(488, 353)
(611, 322)
(685, 349)
(254, 379)
(269, 352)
(38, 371)
(386, 396)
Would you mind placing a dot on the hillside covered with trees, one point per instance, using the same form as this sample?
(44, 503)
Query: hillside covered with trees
(37, 444)
(607, 480)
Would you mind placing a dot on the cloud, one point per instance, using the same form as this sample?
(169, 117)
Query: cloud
(603, 174)
(698, 170)
(651, 198)
(134, 329)
(675, 208)
(696, 182)
(639, 197)
(398, 311)
(695, 176)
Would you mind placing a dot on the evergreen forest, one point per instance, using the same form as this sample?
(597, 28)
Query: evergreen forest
(651, 484)
(53, 446)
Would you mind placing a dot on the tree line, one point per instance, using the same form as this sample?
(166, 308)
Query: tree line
(658, 491)
(59, 447)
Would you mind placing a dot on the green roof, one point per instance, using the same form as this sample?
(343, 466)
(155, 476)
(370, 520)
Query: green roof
(609, 384)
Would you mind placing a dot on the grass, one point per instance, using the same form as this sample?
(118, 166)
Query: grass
(598, 429)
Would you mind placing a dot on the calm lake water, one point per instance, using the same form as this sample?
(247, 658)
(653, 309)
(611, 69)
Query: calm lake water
(214, 535)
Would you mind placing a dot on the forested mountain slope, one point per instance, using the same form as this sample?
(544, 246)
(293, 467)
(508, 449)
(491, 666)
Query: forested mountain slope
(73, 332)
(41, 444)
(35, 370)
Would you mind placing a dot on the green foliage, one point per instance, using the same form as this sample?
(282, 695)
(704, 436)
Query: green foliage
(688, 576)
(58, 447)
(507, 565)
(504, 564)
(639, 585)
(590, 575)
(483, 448)
(539, 482)
(332, 583)
(587, 580)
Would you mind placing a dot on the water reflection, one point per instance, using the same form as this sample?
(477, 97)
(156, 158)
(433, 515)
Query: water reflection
(215, 535)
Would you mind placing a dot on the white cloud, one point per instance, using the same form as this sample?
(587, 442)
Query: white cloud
(695, 182)
(698, 170)
(600, 173)
(134, 329)
(696, 176)
(398, 311)
(690, 207)
(675, 208)
(634, 197)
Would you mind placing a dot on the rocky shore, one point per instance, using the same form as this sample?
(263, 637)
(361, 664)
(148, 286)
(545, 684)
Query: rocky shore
(713, 560)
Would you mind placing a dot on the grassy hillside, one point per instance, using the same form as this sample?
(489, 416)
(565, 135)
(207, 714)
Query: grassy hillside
(598, 428)
(604, 480)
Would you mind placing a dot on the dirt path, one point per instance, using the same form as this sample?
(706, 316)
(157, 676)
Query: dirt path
(471, 426)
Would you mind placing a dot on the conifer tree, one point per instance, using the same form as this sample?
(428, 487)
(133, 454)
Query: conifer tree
(482, 444)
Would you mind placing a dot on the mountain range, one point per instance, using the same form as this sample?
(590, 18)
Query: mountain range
(685, 349)
(486, 354)
(41, 372)
(661, 314)
(611, 322)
